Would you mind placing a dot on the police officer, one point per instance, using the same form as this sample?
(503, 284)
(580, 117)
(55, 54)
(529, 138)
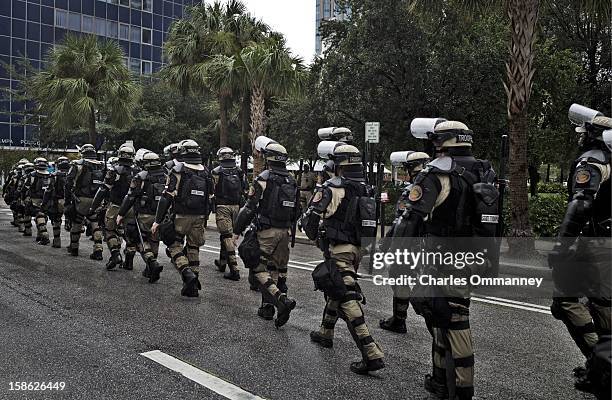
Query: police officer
(84, 178)
(341, 204)
(412, 163)
(439, 206)
(308, 182)
(23, 206)
(581, 257)
(146, 189)
(188, 190)
(35, 185)
(171, 156)
(116, 185)
(53, 199)
(271, 205)
(9, 190)
(230, 184)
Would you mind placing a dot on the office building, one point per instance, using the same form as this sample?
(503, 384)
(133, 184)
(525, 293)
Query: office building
(327, 10)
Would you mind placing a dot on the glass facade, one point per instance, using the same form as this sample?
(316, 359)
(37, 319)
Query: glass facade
(30, 28)
(326, 10)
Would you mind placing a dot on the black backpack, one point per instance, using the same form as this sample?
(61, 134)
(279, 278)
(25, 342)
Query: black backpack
(194, 193)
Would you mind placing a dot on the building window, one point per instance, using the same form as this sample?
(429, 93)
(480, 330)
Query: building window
(125, 62)
(88, 24)
(124, 32)
(61, 18)
(146, 36)
(135, 65)
(100, 26)
(136, 4)
(135, 34)
(145, 67)
(111, 29)
(124, 3)
(74, 21)
(147, 5)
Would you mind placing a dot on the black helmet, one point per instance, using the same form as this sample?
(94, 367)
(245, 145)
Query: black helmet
(88, 151)
(63, 163)
(189, 152)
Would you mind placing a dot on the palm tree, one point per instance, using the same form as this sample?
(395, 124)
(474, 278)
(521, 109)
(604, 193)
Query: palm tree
(210, 31)
(271, 70)
(85, 77)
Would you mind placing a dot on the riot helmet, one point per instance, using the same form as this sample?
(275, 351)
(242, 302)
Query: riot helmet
(591, 124)
(340, 134)
(28, 167)
(62, 163)
(151, 160)
(171, 151)
(88, 152)
(41, 163)
(449, 134)
(189, 152)
(226, 157)
(126, 154)
(411, 161)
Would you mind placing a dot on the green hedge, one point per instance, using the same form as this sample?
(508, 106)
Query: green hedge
(551, 187)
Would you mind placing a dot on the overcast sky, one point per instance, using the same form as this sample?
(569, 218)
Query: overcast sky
(294, 18)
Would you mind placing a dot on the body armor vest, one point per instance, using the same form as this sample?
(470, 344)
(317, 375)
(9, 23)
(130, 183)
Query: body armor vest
(277, 205)
(193, 192)
(121, 184)
(342, 226)
(90, 179)
(40, 184)
(154, 183)
(59, 183)
(228, 190)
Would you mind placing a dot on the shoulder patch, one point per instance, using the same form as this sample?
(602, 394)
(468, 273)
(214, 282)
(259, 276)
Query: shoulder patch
(416, 192)
(442, 163)
(317, 197)
(583, 176)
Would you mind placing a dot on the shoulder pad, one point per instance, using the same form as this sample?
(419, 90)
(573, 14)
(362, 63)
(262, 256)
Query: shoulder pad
(177, 167)
(142, 175)
(264, 176)
(441, 164)
(78, 162)
(336, 181)
(216, 170)
(169, 164)
(594, 156)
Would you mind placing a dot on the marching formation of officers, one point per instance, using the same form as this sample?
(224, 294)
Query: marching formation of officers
(141, 199)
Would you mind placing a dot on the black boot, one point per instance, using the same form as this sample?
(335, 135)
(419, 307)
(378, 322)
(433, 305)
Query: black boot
(128, 263)
(233, 274)
(44, 241)
(393, 324)
(253, 284)
(115, 260)
(364, 366)
(282, 284)
(73, 252)
(266, 311)
(96, 255)
(284, 306)
(191, 284)
(321, 340)
(433, 386)
(147, 271)
(154, 270)
(57, 242)
(221, 265)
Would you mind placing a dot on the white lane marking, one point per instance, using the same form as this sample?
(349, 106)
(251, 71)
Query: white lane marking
(485, 299)
(499, 303)
(517, 302)
(205, 379)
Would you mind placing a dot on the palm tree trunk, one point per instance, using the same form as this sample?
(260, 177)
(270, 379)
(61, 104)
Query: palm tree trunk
(245, 119)
(93, 135)
(523, 20)
(258, 124)
(223, 125)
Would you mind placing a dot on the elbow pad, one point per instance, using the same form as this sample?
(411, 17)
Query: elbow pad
(243, 219)
(165, 201)
(100, 195)
(408, 224)
(310, 223)
(126, 204)
(576, 216)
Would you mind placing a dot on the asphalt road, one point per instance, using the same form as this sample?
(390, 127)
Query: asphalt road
(65, 319)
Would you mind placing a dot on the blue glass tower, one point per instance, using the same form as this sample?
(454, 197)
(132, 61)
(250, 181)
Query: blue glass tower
(30, 28)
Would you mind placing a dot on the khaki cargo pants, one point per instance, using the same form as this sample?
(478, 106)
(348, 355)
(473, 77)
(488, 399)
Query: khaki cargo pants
(347, 258)
(192, 228)
(151, 243)
(40, 218)
(224, 217)
(274, 246)
(82, 212)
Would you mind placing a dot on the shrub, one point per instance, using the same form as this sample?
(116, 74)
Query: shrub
(546, 214)
(551, 187)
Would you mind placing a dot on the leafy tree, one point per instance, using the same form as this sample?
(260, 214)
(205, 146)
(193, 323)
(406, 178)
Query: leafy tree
(85, 80)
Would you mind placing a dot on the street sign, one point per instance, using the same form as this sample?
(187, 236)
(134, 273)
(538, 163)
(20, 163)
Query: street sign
(372, 132)
(384, 197)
